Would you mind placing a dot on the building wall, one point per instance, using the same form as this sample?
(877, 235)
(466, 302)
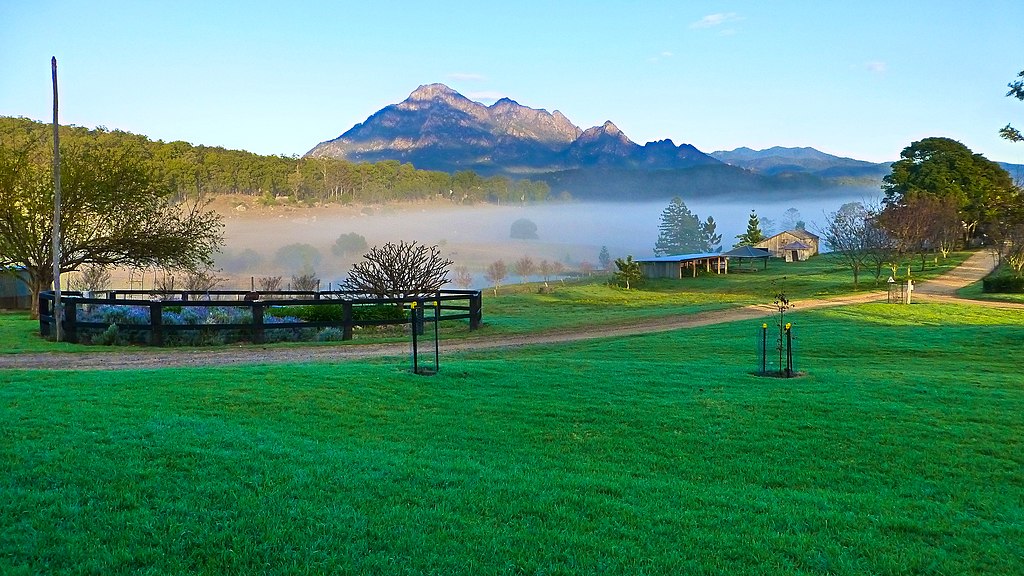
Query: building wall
(660, 269)
(775, 243)
(14, 294)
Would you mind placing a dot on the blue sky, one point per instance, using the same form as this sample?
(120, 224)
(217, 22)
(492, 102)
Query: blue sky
(860, 79)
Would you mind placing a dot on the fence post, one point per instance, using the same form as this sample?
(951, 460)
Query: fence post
(764, 348)
(156, 323)
(44, 312)
(789, 350)
(475, 310)
(417, 318)
(257, 321)
(71, 322)
(346, 321)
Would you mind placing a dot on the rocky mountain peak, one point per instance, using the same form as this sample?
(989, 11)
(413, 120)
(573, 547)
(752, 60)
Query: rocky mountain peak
(433, 92)
(438, 128)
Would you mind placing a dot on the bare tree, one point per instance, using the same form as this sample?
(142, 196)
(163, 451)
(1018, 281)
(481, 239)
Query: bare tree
(91, 278)
(1006, 232)
(496, 273)
(919, 224)
(524, 267)
(202, 280)
(306, 280)
(463, 279)
(845, 233)
(1013, 248)
(400, 270)
(586, 267)
(548, 269)
(269, 283)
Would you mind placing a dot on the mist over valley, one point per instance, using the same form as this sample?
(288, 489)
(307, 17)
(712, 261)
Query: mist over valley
(261, 241)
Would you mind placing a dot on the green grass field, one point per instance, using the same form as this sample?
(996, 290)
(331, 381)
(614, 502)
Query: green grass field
(520, 308)
(900, 452)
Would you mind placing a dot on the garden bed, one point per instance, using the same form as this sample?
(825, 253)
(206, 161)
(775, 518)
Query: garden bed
(212, 318)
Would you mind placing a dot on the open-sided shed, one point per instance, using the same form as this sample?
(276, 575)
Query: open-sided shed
(683, 264)
(749, 253)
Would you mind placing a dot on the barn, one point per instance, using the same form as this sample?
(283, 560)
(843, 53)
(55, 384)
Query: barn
(793, 245)
(14, 291)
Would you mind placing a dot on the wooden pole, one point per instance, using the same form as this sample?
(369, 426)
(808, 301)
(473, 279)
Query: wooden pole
(57, 308)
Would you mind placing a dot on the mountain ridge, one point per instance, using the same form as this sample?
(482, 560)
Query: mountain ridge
(779, 160)
(437, 128)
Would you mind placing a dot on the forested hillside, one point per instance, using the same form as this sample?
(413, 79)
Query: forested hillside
(190, 170)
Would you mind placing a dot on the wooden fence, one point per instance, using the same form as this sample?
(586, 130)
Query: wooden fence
(452, 305)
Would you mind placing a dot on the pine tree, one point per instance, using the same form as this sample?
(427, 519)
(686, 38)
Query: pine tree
(682, 232)
(753, 235)
(605, 258)
(712, 242)
(629, 272)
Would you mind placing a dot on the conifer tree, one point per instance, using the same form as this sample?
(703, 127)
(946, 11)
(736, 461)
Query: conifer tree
(753, 235)
(629, 272)
(712, 241)
(682, 232)
(605, 258)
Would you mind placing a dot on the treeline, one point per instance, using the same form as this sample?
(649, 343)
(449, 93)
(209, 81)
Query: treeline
(191, 171)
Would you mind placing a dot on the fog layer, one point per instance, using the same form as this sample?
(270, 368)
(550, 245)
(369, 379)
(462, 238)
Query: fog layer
(474, 236)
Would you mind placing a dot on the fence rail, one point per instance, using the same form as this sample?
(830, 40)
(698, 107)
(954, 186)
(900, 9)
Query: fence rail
(452, 305)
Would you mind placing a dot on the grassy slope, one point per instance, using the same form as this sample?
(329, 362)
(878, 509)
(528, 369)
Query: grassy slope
(899, 453)
(519, 308)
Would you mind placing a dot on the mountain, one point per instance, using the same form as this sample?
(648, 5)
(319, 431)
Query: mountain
(779, 160)
(439, 129)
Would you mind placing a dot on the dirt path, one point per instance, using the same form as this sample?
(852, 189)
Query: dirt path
(940, 289)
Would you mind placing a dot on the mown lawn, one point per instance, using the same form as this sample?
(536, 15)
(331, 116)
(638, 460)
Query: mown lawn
(900, 452)
(520, 308)
(523, 308)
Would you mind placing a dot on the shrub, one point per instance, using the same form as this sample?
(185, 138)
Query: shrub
(330, 335)
(350, 243)
(311, 312)
(297, 256)
(109, 336)
(378, 312)
(1003, 284)
(523, 229)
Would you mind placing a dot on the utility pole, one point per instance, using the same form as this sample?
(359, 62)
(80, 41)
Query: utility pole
(57, 308)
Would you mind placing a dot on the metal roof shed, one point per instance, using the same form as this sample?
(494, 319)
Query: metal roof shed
(749, 253)
(673, 266)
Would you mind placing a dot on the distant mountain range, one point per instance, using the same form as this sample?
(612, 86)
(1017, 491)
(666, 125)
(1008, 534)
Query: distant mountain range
(779, 160)
(437, 128)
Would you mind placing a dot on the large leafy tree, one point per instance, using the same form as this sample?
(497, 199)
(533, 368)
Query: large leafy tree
(682, 232)
(1017, 91)
(946, 169)
(115, 210)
